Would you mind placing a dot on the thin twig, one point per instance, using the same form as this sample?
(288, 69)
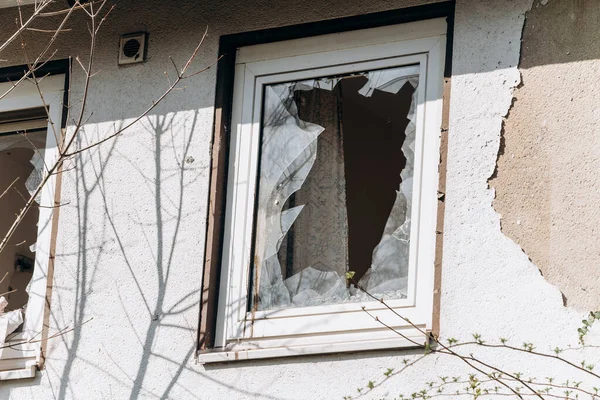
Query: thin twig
(24, 25)
(62, 332)
(446, 350)
(8, 188)
(155, 103)
(533, 352)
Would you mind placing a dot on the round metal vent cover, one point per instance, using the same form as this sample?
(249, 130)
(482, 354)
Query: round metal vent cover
(131, 48)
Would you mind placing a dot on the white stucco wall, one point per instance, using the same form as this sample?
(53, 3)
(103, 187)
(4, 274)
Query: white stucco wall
(130, 245)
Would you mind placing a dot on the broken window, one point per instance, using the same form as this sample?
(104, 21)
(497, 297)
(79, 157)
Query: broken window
(332, 164)
(334, 189)
(30, 127)
(22, 144)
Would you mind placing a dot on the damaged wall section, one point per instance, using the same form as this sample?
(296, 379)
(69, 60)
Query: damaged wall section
(547, 176)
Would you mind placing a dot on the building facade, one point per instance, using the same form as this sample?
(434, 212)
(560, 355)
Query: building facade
(204, 251)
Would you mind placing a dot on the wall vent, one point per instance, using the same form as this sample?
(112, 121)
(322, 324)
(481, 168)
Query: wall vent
(133, 48)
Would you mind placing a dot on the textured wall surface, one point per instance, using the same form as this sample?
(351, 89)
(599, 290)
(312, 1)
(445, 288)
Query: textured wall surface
(546, 186)
(130, 245)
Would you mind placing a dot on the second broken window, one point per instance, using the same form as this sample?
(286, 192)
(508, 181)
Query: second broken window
(335, 189)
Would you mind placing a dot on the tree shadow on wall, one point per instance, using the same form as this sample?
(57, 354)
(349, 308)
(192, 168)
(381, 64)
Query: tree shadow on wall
(149, 285)
(133, 267)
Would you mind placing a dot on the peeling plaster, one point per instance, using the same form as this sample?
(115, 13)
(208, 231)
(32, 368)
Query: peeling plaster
(478, 257)
(546, 182)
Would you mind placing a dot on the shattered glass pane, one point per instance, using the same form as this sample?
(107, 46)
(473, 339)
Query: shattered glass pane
(335, 189)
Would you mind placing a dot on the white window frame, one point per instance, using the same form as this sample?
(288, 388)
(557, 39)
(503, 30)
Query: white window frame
(339, 327)
(20, 360)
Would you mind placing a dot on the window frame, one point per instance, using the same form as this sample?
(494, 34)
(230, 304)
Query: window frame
(423, 42)
(25, 354)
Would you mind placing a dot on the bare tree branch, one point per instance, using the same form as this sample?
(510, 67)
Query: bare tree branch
(24, 25)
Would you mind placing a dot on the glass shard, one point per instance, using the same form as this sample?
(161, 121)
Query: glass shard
(335, 189)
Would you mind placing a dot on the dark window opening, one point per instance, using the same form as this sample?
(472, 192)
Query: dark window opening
(22, 143)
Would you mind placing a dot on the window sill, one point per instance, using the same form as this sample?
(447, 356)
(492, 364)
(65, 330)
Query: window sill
(251, 351)
(18, 360)
(17, 368)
